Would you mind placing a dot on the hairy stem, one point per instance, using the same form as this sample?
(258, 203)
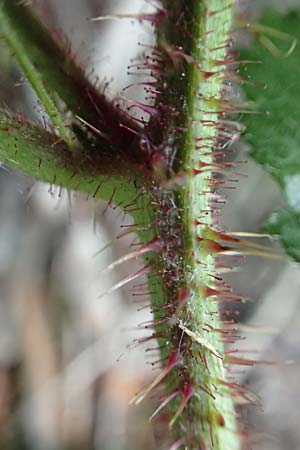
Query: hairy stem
(38, 153)
(201, 313)
(191, 111)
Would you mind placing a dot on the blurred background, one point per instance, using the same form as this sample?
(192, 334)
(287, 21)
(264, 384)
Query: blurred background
(68, 360)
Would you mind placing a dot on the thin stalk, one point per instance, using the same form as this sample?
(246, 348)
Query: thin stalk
(34, 77)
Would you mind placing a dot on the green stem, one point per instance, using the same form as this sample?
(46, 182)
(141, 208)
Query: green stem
(201, 315)
(194, 94)
(38, 153)
(22, 54)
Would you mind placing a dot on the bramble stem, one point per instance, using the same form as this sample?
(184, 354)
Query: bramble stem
(201, 314)
(192, 88)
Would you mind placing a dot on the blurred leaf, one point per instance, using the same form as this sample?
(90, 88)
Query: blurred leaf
(275, 138)
(286, 224)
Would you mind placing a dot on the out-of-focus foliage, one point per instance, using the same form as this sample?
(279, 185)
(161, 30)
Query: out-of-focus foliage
(287, 224)
(275, 138)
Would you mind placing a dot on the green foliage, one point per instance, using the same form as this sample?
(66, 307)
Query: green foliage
(275, 138)
(286, 224)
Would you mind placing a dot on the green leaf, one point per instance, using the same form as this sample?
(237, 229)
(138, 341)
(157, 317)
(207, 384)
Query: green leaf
(275, 138)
